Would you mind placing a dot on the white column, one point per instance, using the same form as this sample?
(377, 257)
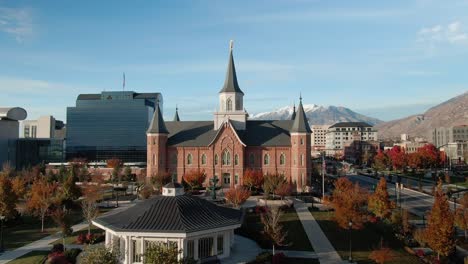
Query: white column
(215, 244)
(130, 249)
(227, 244)
(195, 248)
(108, 239)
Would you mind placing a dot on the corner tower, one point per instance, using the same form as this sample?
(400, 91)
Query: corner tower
(231, 99)
(156, 137)
(301, 167)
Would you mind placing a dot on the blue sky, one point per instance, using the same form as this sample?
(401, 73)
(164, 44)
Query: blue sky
(386, 59)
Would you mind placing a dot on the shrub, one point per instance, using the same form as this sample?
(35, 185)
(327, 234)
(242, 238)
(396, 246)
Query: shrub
(146, 192)
(264, 257)
(99, 255)
(90, 238)
(278, 258)
(237, 195)
(72, 254)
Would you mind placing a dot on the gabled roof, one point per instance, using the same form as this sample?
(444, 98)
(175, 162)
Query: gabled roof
(230, 82)
(300, 125)
(157, 125)
(176, 214)
(229, 123)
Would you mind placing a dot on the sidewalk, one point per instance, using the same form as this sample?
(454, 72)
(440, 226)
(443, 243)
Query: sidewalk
(45, 243)
(322, 246)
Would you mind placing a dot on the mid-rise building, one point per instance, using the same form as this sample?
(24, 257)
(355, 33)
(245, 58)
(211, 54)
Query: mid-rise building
(110, 125)
(444, 135)
(43, 127)
(319, 137)
(9, 132)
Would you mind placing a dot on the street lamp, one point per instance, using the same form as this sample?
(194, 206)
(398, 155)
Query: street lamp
(2, 218)
(350, 224)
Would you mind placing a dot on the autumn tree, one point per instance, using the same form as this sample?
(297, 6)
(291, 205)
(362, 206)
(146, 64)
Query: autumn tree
(349, 202)
(253, 178)
(461, 215)
(414, 160)
(272, 228)
(381, 255)
(195, 178)
(271, 182)
(161, 179)
(62, 219)
(397, 157)
(70, 191)
(379, 202)
(92, 193)
(8, 197)
(237, 195)
(41, 197)
(284, 189)
(429, 156)
(116, 165)
(440, 225)
(380, 161)
(127, 173)
(18, 184)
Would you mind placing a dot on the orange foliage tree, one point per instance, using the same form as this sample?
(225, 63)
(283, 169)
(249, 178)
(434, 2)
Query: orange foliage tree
(379, 202)
(93, 192)
(161, 179)
(195, 178)
(253, 178)
(381, 255)
(8, 197)
(42, 196)
(284, 189)
(380, 161)
(461, 216)
(349, 202)
(237, 195)
(440, 225)
(18, 184)
(397, 157)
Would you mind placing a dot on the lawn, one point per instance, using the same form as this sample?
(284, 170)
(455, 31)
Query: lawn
(296, 236)
(71, 240)
(363, 241)
(33, 257)
(27, 229)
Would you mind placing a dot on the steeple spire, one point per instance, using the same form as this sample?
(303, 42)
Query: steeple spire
(293, 116)
(300, 125)
(157, 125)
(176, 116)
(230, 82)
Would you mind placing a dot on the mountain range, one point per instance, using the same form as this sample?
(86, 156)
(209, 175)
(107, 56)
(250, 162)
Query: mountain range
(318, 115)
(449, 113)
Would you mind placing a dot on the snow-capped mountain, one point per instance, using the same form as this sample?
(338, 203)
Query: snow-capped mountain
(318, 115)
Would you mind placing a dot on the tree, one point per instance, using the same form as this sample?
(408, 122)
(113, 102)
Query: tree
(253, 178)
(380, 161)
(237, 195)
(271, 182)
(42, 196)
(99, 255)
(163, 254)
(195, 178)
(379, 202)
(92, 193)
(461, 216)
(272, 228)
(406, 226)
(161, 179)
(62, 220)
(414, 160)
(284, 189)
(18, 184)
(381, 255)
(116, 165)
(127, 173)
(69, 189)
(440, 228)
(7, 170)
(349, 202)
(429, 156)
(397, 157)
(8, 197)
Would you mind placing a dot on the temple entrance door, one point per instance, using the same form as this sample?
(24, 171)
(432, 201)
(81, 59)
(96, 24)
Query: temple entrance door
(226, 180)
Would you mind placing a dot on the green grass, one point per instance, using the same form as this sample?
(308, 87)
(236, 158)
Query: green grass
(28, 229)
(33, 257)
(363, 241)
(296, 237)
(72, 240)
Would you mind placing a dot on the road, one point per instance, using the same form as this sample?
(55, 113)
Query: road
(416, 202)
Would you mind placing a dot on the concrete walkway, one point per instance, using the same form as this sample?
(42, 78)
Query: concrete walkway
(326, 253)
(296, 254)
(243, 251)
(45, 243)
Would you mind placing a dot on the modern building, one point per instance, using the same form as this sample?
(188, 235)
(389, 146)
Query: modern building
(34, 151)
(319, 140)
(9, 132)
(110, 125)
(457, 152)
(228, 145)
(197, 228)
(443, 135)
(43, 127)
(345, 134)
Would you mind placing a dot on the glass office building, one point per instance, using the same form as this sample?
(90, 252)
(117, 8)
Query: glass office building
(34, 151)
(110, 125)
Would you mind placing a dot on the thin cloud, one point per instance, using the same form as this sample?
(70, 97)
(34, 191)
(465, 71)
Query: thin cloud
(451, 33)
(16, 22)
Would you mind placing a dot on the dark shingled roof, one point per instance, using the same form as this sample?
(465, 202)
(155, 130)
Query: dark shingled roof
(351, 124)
(135, 96)
(300, 125)
(293, 116)
(172, 214)
(257, 133)
(157, 125)
(230, 83)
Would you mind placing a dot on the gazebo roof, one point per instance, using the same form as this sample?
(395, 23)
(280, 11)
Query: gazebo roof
(172, 214)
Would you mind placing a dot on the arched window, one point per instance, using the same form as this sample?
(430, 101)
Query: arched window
(302, 160)
(203, 159)
(236, 159)
(252, 159)
(229, 104)
(216, 159)
(282, 159)
(226, 159)
(189, 159)
(266, 159)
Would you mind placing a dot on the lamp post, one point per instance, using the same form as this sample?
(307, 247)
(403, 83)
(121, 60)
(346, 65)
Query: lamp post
(2, 248)
(350, 224)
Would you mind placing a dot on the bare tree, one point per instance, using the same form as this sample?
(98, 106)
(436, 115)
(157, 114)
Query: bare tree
(272, 227)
